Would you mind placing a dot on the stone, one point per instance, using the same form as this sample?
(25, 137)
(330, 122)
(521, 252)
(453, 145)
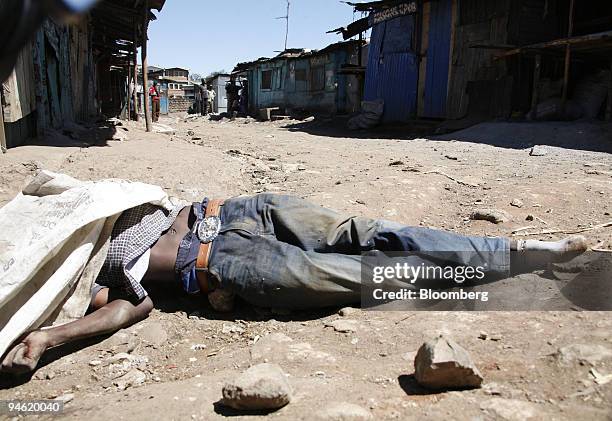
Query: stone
(343, 325)
(538, 150)
(495, 216)
(132, 378)
(583, 353)
(231, 328)
(65, 398)
(510, 409)
(198, 347)
(517, 203)
(443, 364)
(343, 411)
(530, 217)
(95, 363)
(263, 386)
(348, 311)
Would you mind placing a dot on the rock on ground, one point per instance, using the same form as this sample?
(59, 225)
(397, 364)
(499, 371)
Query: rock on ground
(263, 386)
(132, 378)
(511, 409)
(444, 364)
(348, 311)
(343, 325)
(496, 216)
(343, 411)
(583, 353)
(538, 150)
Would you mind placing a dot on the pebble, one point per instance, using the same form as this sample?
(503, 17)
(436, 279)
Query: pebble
(495, 216)
(132, 378)
(95, 363)
(583, 353)
(343, 325)
(517, 203)
(538, 150)
(443, 364)
(198, 347)
(348, 311)
(263, 386)
(530, 217)
(65, 398)
(510, 409)
(231, 328)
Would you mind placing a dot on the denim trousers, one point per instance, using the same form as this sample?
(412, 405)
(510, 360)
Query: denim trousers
(282, 251)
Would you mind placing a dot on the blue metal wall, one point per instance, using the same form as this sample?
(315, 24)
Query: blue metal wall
(392, 71)
(438, 56)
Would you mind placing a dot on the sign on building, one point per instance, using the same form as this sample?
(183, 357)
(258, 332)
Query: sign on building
(393, 12)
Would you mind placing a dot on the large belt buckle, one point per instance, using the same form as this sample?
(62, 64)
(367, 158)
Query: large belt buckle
(208, 229)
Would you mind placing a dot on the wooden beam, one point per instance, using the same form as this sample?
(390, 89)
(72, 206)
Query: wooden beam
(128, 93)
(597, 38)
(145, 68)
(135, 69)
(2, 133)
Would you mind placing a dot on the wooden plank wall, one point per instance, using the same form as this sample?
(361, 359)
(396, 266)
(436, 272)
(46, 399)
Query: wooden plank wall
(18, 89)
(478, 22)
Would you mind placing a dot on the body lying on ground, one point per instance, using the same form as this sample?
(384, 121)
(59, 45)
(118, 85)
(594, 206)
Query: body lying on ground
(271, 250)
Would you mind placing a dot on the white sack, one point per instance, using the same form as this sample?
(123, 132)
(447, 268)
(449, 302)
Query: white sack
(53, 241)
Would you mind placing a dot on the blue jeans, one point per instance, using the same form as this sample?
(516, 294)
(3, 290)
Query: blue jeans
(282, 251)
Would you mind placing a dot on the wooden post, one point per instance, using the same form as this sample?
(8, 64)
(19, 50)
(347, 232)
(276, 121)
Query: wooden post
(2, 134)
(570, 30)
(609, 106)
(135, 76)
(536, 84)
(128, 93)
(145, 69)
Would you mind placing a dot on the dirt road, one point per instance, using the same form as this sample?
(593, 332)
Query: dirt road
(184, 352)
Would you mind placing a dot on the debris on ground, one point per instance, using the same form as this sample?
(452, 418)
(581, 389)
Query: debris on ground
(538, 150)
(263, 386)
(583, 353)
(495, 216)
(443, 364)
(343, 325)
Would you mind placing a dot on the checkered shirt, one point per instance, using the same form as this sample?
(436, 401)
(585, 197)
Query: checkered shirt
(136, 230)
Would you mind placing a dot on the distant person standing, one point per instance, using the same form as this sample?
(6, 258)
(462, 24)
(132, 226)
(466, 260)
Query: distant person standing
(154, 94)
(231, 90)
(205, 98)
(244, 99)
(211, 98)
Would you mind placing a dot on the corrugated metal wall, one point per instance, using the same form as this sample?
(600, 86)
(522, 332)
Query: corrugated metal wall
(438, 57)
(392, 71)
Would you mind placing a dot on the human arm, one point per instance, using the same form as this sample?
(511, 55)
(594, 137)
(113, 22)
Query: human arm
(110, 317)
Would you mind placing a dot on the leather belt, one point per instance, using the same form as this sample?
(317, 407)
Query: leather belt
(212, 211)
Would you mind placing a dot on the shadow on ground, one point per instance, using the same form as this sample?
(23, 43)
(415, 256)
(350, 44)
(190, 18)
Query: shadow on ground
(585, 135)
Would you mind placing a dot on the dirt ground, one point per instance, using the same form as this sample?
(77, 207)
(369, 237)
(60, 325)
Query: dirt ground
(185, 351)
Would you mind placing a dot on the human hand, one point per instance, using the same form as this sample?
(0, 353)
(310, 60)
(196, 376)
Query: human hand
(24, 356)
